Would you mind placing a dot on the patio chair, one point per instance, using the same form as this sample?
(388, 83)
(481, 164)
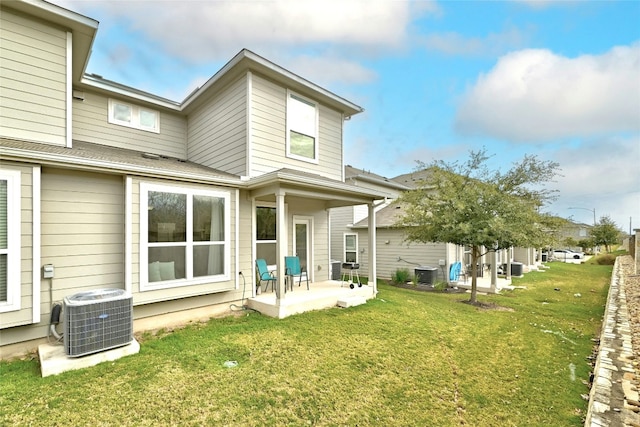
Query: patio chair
(455, 271)
(293, 269)
(264, 275)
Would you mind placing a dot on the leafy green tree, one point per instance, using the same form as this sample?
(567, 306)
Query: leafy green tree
(469, 205)
(586, 244)
(605, 233)
(570, 242)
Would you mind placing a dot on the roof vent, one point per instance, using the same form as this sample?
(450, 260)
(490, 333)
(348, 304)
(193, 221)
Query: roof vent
(151, 156)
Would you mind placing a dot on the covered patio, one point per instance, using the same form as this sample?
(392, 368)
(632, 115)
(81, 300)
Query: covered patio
(298, 225)
(321, 295)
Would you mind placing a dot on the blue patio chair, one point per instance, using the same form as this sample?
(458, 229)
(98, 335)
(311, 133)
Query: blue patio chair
(293, 269)
(454, 271)
(264, 275)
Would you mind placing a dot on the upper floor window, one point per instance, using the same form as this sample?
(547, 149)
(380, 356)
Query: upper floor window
(121, 113)
(185, 236)
(9, 240)
(302, 128)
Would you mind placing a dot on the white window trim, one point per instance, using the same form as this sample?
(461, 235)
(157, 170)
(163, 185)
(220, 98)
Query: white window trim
(254, 223)
(12, 251)
(344, 246)
(255, 220)
(315, 160)
(135, 117)
(145, 285)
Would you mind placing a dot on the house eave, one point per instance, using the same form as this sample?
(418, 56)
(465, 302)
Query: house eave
(345, 194)
(383, 182)
(246, 61)
(83, 28)
(77, 163)
(113, 88)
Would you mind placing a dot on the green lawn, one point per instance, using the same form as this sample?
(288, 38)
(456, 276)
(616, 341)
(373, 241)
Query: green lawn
(407, 358)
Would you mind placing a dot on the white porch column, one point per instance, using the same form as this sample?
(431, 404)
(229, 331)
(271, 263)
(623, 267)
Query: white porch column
(532, 258)
(281, 245)
(373, 275)
(494, 270)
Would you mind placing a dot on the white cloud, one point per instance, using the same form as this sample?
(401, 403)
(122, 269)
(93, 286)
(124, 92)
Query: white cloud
(494, 44)
(212, 30)
(601, 174)
(536, 95)
(536, 4)
(324, 69)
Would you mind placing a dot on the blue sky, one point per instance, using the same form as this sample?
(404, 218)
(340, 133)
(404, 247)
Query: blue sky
(437, 79)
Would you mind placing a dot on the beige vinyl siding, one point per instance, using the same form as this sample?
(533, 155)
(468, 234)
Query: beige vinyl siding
(82, 230)
(521, 255)
(32, 79)
(245, 240)
(24, 315)
(319, 268)
(268, 134)
(226, 288)
(411, 255)
(217, 130)
(321, 257)
(330, 136)
(90, 124)
(341, 220)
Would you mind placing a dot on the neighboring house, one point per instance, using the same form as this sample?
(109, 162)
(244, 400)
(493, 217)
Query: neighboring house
(350, 236)
(348, 244)
(525, 256)
(573, 232)
(394, 253)
(172, 201)
(350, 231)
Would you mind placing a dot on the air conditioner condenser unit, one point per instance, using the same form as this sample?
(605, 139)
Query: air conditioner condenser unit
(97, 320)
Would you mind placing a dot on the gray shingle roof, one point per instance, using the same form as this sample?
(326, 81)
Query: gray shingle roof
(385, 217)
(105, 157)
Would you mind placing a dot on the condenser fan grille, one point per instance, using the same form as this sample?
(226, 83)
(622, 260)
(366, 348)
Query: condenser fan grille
(96, 321)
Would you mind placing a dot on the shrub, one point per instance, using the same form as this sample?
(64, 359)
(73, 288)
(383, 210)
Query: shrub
(440, 286)
(605, 259)
(401, 276)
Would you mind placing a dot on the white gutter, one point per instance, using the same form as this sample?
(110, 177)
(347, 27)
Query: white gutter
(115, 88)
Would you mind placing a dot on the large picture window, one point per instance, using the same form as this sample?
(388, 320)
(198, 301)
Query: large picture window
(184, 236)
(9, 240)
(302, 128)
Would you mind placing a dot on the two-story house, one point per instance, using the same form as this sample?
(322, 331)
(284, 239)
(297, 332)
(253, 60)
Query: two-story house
(111, 187)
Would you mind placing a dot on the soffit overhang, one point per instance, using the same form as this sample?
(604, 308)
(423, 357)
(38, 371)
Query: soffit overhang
(294, 184)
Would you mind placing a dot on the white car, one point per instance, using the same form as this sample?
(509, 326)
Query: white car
(567, 254)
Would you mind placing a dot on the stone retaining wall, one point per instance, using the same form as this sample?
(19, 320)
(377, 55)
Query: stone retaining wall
(613, 400)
